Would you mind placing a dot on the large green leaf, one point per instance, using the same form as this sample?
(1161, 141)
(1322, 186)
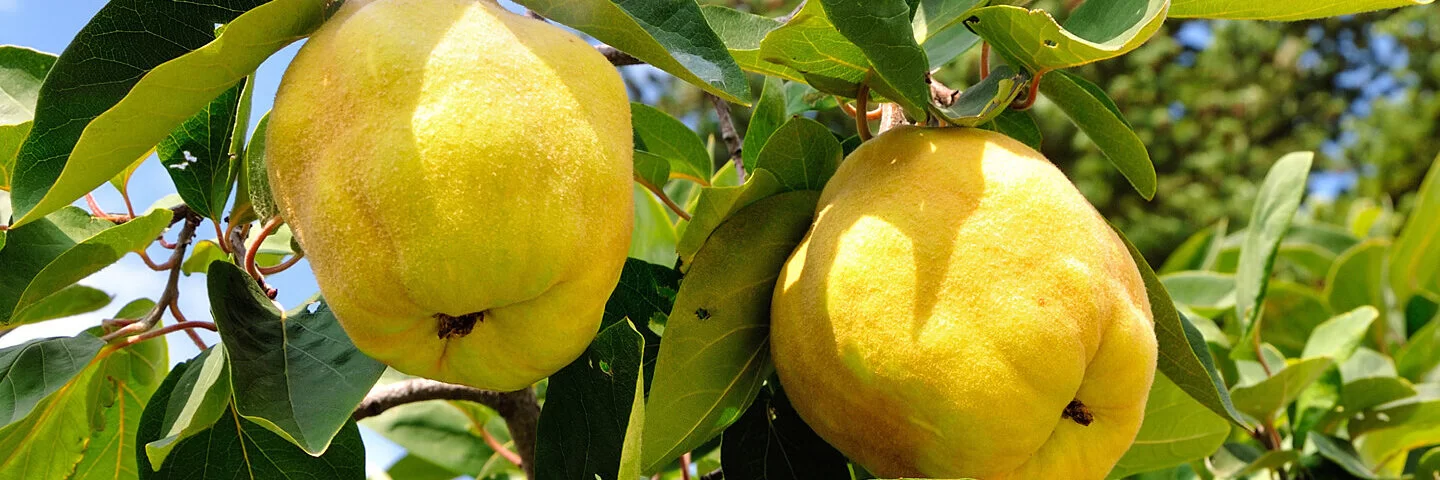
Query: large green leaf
(742, 33)
(1282, 10)
(21, 72)
(1207, 293)
(594, 410)
(438, 432)
(770, 441)
(33, 370)
(765, 119)
(131, 376)
(43, 260)
(811, 45)
(256, 181)
(234, 447)
(937, 22)
(1095, 31)
(672, 35)
(1264, 399)
(662, 135)
(717, 203)
(881, 29)
(1357, 277)
(1199, 251)
(201, 396)
(1414, 259)
(80, 429)
(1342, 453)
(277, 360)
(1183, 356)
(1096, 115)
(1275, 206)
(1386, 434)
(1338, 337)
(653, 236)
(716, 350)
(197, 155)
(104, 106)
(802, 154)
(1418, 357)
(1176, 429)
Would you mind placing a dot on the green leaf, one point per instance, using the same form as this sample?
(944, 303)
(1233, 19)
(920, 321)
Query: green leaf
(660, 134)
(197, 155)
(1096, 115)
(1019, 125)
(411, 467)
(716, 350)
(1270, 460)
(205, 252)
(1207, 293)
(1275, 206)
(438, 432)
(1357, 277)
(1418, 357)
(1291, 312)
(715, 204)
(591, 421)
(1095, 31)
(202, 397)
(1342, 453)
(811, 45)
(1286, 10)
(1183, 356)
(938, 23)
(1387, 434)
(21, 72)
(802, 154)
(742, 33)
(277, 361)
(881, 30)
(46, 258)
(1338, 337)
(986, 100)
(1429, 465)
(93, 122)
(1263, 400)
(770, 441)
(1414, 260)
(74, 432)
(131, 376)
(672, 35)
(1199, 251)
(235, 446)
(257, 181)
(653, 236)
(645, 294)
(765, 119)
(651, 170)
(33, 370)
(1176, 429)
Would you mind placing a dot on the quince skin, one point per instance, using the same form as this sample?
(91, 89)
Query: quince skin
(959, 310)
(460, 179)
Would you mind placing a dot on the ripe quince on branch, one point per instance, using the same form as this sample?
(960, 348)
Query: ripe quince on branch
(459, 177)
(959, 310)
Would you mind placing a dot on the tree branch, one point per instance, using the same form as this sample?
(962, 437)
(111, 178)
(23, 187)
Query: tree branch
(728, 133)
(520, 409)
(616, 57)
(172, 284)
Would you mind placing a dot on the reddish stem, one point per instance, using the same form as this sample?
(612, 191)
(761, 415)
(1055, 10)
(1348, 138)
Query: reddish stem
(499, 448)
(269, 228)
(984, 60)
(168, 329)
(289, 262)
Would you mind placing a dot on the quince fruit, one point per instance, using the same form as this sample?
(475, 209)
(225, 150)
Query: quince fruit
(959, 310)
(460, 179)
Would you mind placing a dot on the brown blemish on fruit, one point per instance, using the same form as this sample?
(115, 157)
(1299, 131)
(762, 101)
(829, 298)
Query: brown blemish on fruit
(1076, 411)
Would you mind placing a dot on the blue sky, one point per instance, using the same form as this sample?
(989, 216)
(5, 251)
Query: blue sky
(49, 25)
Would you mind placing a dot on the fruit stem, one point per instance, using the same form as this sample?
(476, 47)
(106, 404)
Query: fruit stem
(862, 122)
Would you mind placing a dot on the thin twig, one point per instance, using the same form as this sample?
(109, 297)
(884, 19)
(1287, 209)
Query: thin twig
(180, 317)
(168, 329)
(665, 199)
(159, 267)
(716, 474)
(520, 409)
(1031, 95)
(220, 238)
(984, 60)
(283, 266)
(685, 466)
(172, 285)
(849, 109)
(265, 231)
(499, 448)
(728, 133)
